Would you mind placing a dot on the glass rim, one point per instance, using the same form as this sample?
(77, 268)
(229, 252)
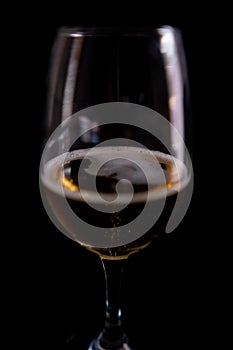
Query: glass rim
(81, 31)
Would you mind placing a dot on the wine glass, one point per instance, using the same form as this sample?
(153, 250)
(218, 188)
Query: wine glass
(116, 170)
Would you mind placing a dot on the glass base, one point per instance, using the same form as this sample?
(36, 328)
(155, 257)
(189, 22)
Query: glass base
(96, 346)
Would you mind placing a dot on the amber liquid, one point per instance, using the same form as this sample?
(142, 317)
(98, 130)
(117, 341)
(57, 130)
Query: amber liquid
(144, 177)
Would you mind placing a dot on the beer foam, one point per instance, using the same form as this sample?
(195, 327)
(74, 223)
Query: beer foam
(150, 162)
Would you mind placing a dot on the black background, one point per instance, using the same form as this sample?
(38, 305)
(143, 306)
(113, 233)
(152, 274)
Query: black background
(57, 287)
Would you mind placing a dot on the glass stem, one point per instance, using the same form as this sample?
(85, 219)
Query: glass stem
(112, 336)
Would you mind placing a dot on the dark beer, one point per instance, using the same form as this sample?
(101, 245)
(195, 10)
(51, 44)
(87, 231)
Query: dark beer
(111, 187)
